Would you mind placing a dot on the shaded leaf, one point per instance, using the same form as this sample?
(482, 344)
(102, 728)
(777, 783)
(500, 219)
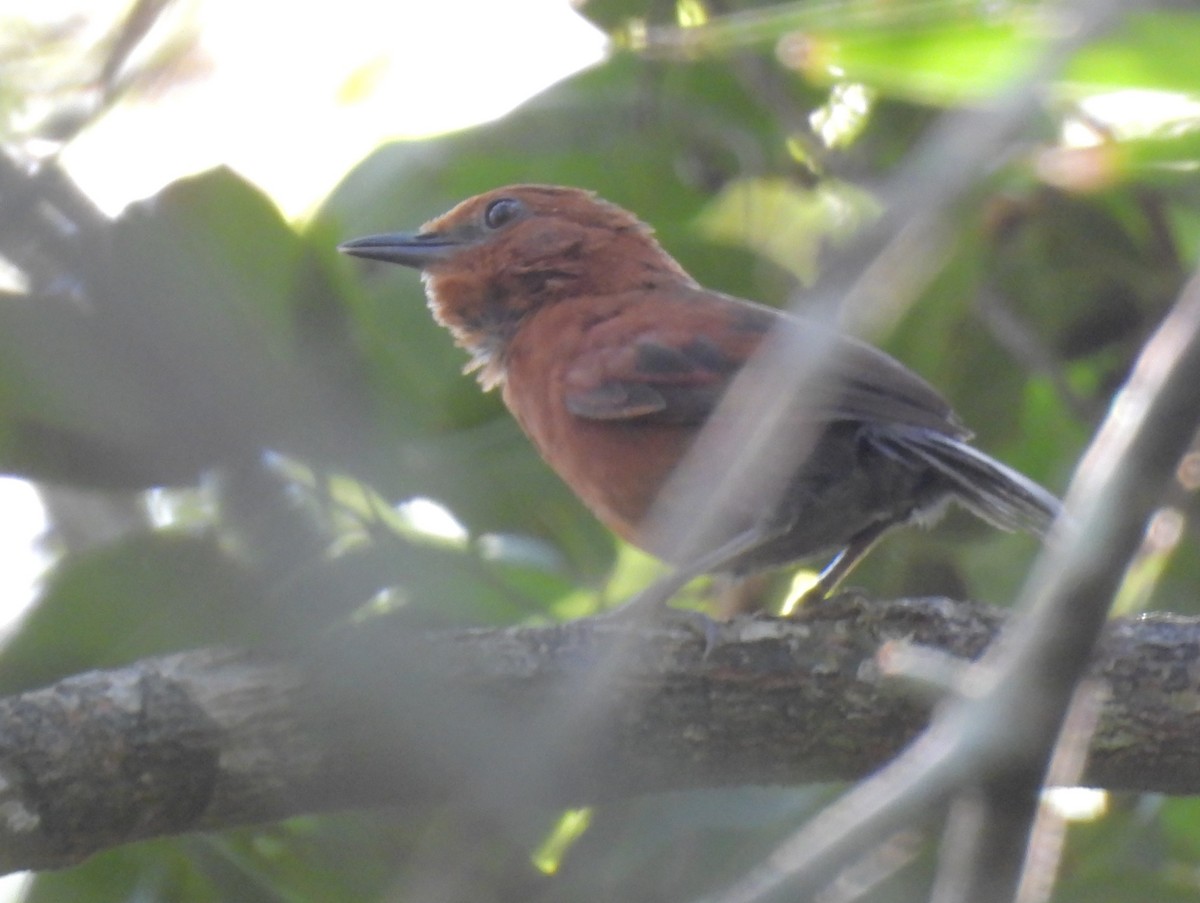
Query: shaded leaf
(151, 593)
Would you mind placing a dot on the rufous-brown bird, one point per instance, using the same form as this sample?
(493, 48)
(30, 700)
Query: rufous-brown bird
(612, 358)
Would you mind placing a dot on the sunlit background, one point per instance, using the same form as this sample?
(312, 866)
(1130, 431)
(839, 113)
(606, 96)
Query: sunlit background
(292, 95)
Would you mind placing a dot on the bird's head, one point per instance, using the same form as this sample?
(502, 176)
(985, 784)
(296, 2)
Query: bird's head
(499, 257)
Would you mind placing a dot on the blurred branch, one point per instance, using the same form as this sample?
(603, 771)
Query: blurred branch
(46, 223)
(42, 215)
(1030, 349)
(146, 49)
(212, 739)
(127, 36)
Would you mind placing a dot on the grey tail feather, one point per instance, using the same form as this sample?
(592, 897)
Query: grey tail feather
(993, 491)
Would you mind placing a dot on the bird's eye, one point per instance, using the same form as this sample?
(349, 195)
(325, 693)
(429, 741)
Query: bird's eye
(500, 212)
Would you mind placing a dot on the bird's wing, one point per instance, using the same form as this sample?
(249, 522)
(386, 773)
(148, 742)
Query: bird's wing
(671, 363)
(650, 378)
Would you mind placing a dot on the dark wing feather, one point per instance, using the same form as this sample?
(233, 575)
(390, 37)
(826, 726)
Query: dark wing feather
(684, 354)
(617, 400)
(994, 491)
(651, 382)
(870, 386)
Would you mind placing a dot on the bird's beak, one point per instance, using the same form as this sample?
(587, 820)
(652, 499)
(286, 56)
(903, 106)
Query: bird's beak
(411, 249)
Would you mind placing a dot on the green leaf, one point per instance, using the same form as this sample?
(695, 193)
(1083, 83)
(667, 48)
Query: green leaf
(154, 870)
(1151, 50)
(202, 288)
(73, 409)
(151, 593)
(939, 61)
(180, 354)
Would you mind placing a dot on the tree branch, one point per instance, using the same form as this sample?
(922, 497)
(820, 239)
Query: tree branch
(211, 739)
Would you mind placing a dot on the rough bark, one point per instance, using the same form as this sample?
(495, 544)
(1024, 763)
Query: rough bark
(581, 712)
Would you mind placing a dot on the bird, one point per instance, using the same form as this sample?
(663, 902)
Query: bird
(612, 359)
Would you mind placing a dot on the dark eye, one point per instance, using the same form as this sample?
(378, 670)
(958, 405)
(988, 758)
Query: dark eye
(500, 212)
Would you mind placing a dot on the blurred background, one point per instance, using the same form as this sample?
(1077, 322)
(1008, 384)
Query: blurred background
(216, 430)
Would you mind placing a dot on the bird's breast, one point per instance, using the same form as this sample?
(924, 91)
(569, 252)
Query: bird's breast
(615, 467)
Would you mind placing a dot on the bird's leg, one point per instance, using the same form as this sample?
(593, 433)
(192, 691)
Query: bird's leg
(719, 559)
(654, 598)
(841, 565)
(651, 603)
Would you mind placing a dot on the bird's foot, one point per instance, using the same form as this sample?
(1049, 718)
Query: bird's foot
(650, 608)
(814, 595)
(818, 596)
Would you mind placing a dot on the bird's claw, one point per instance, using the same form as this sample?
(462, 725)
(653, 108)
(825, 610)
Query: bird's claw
(649, 608)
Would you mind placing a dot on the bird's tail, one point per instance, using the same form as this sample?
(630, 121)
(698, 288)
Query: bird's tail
(994, 491)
